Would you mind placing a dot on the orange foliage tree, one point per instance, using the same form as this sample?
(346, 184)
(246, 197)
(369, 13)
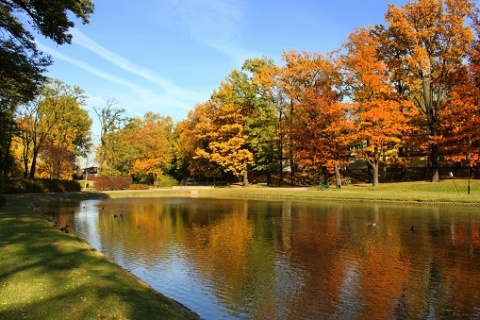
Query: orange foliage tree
(425, 43)
(380, 116)
(319, 128)
(50, 131)
(462, 112)
(145, 147)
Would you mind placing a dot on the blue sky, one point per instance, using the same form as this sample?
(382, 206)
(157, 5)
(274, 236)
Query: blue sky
(166, 56)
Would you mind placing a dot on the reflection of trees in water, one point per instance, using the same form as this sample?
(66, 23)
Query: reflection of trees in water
(309, 259)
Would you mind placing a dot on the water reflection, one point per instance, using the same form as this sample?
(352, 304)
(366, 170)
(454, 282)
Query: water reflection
(292, 260)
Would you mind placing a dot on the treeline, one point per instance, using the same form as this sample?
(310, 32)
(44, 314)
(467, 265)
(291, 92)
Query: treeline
(393, 91)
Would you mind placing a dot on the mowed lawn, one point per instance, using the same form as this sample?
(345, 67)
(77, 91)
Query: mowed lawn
(446, 191)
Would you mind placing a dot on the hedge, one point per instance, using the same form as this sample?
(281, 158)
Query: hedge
(41, 186)
(112, 183)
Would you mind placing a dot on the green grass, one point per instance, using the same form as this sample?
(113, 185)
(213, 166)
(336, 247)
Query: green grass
(446, 191)
(48, 274)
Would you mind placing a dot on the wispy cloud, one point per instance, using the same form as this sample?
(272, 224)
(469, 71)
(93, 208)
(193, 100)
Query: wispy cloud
(137, 89)
(168, 86)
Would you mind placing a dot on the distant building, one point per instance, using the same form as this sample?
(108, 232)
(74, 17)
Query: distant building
(92, 172)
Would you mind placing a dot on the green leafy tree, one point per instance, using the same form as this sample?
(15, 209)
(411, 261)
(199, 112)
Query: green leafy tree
(268, 79)
(22, 65)
(111, 121)
(261, 123)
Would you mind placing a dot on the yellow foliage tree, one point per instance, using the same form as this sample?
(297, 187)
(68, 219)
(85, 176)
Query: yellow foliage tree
(224, 135)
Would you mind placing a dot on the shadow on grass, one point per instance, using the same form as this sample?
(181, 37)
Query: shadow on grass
(47, 274)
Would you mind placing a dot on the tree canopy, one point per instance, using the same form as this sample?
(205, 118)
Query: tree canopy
(22, 65)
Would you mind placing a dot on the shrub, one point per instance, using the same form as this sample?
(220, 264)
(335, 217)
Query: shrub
(112, 183)
(3, 201)
(139, 186)
(41, 185)
(166, 181)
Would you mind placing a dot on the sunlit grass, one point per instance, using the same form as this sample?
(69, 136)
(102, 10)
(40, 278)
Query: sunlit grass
(450, 191)
(446, 191)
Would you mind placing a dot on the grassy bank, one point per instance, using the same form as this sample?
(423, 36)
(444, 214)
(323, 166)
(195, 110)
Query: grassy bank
(48, 274)
(444, 192)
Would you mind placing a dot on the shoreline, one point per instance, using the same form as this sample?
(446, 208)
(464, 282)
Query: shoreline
(22, 207)
(68, 278)
(311, 194)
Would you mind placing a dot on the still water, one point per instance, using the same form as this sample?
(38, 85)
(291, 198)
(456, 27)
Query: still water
(246, 259)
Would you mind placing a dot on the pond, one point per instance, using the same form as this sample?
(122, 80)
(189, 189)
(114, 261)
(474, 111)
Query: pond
(249, 259)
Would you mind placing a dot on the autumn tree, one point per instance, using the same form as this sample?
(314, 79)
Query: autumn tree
(462, 112)
(424, 44)
(194, 131)
(190, 135)
(183, 148)
(380, 115)
(145, 147)
(319, 128)
(52, 128)
(224, 134)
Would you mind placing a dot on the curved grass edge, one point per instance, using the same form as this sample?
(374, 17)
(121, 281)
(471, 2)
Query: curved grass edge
(48, 274)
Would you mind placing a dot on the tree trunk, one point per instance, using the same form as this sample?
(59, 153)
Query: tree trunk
(25, 166)
(338, 178)
(280, 149)
(435, 163)
(34, 165)
(280, 173)
(375, 166)
(245, 179)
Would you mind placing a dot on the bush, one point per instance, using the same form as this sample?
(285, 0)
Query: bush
(112, 183)
(166, 182)
(41, 185)
(139, 186)
(3, 201)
